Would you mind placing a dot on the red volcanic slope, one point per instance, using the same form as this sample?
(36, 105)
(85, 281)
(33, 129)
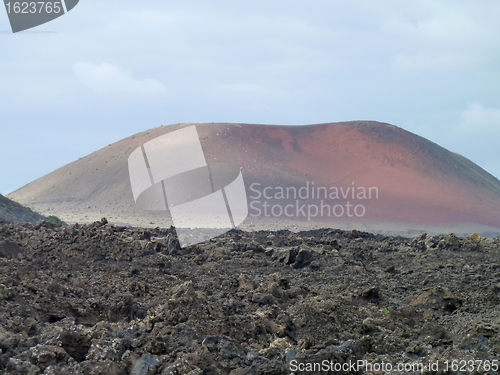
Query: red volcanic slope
(417, 180)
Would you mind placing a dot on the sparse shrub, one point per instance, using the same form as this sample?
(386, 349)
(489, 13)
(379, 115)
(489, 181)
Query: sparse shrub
(55, 220)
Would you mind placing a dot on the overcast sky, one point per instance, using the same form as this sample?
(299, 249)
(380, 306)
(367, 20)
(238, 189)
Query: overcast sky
(110, 69)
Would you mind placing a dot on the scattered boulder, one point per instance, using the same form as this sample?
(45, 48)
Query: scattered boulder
(437, 298)
(145, 365)
(9, 249)
(295, 257)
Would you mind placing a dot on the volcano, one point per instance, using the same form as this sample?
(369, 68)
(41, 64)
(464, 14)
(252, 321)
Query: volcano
(360, 174)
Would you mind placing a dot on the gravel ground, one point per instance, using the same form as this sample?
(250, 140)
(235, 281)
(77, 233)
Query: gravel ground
(103, 299)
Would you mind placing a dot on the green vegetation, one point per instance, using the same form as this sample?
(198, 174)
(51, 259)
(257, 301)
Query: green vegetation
(55, 220)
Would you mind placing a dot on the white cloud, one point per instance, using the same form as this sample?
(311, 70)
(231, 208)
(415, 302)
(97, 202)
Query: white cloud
(433, 61)
(106, 78)
(478, 118)
(441, 35)
(476, 135)
(472, 132)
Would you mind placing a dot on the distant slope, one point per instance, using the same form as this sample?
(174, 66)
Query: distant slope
(421, 185)
(13, 211)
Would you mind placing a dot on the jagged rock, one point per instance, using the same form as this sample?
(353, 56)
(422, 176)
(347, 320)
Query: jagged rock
(100, 299)
(9, 249)
(145, 365)
(437, 298)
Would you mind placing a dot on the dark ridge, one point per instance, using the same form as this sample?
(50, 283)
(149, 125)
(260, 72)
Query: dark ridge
(13, 211)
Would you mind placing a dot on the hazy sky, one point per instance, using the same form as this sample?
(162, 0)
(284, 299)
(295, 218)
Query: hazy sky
(109, 69)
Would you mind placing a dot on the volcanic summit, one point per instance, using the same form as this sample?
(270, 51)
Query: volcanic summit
(360, 174)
